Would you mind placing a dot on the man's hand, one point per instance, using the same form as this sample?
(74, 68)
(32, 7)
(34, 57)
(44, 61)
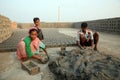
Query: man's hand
(81, 47)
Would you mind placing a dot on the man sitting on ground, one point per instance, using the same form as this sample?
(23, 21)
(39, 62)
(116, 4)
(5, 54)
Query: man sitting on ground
(85, 37)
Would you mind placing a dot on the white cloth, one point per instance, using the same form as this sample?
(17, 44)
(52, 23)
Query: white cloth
(87, 35)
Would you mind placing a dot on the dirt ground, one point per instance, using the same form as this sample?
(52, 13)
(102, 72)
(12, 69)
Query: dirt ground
(108, 43)
(10, 67)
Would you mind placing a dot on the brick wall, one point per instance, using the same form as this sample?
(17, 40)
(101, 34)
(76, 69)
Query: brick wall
(46, 25)
(14, 25)
(57, 25)
(5, 28)
(111, 25)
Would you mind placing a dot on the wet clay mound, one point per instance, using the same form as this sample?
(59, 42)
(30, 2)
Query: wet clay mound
(85, 65)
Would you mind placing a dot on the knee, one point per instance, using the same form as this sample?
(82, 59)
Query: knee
(21, 44)
(96, 34)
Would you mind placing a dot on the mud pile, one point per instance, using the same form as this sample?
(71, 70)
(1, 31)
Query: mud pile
(85, 65)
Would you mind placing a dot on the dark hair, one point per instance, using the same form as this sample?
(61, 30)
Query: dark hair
(31, 30)
(35, 19)
(84, 25)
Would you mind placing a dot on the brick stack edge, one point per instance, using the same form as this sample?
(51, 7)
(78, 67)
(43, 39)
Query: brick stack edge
(5, 28)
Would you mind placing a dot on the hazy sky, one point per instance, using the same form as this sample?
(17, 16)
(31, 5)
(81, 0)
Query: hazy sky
(71, 10)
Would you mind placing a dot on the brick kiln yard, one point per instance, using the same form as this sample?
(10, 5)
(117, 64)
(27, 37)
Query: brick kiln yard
(10, 68)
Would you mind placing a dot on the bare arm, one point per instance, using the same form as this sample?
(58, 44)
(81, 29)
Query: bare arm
(37, 57)
(45, 51)
(78, 42)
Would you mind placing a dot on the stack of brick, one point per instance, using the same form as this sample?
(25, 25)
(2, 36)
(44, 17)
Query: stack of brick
(111, 25)
(47, 25)
(5, 28)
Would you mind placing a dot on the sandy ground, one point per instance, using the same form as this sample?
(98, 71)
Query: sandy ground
(10, 67)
